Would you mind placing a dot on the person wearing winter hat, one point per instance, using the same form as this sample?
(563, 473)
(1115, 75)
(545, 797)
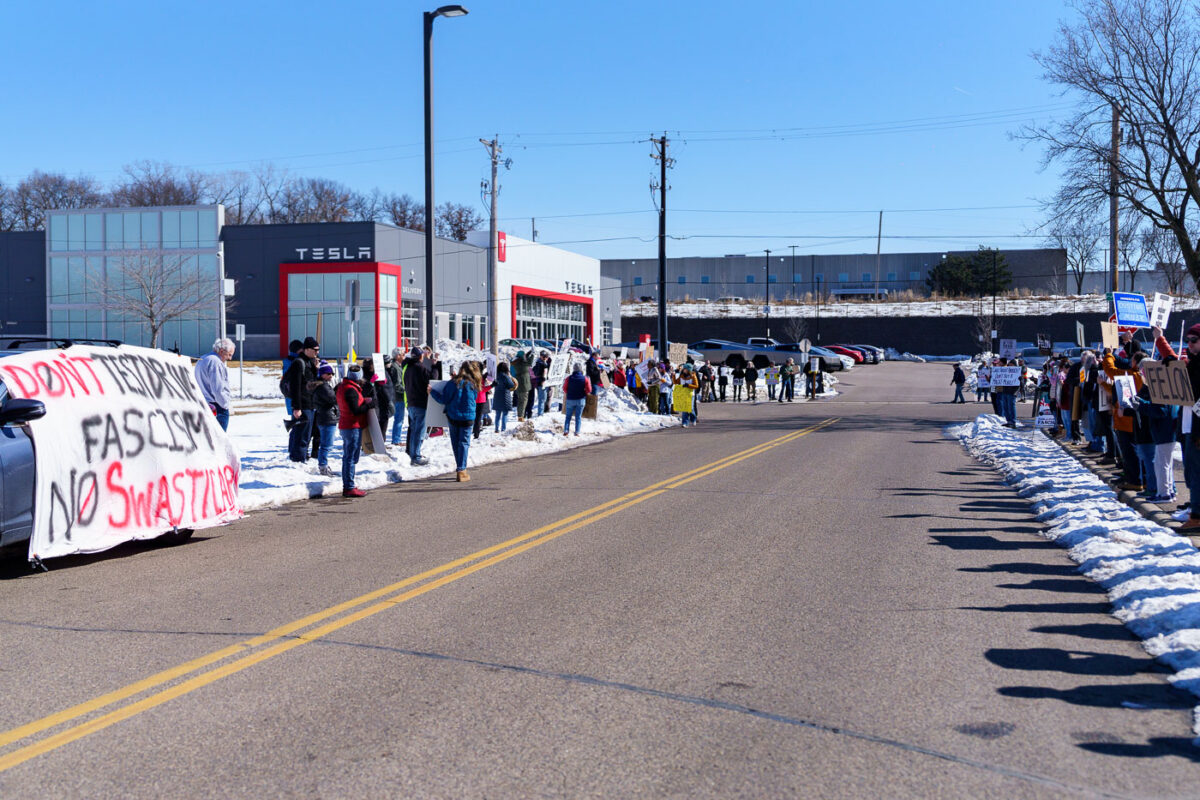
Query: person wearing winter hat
(327, 416)
(395, 370)
(301, 379)
(1190, 424)
(381, 390)
(418, 372)
(353, 401)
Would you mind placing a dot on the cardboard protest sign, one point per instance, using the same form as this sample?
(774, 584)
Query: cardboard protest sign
(1160, 311)
(373, 442)
(1006, 376)
(1169, 384)
(677, 352)
(1008, 348)
(1108, 335)
(128, 448)
(1131, 310)
(557, 373)
(590, 407)
(435, 412)
(605, 381)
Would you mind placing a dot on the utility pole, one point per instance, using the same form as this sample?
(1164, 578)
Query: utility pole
(664, 162)
(878, 245)
(493, 190)
(1112, 196)
(533, 229)
(994, 331)
(767, 290)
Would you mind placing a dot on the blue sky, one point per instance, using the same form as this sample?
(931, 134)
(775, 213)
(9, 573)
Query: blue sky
(791, 123)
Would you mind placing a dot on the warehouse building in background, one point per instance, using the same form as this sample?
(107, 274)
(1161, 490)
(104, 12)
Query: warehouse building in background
(88, 273)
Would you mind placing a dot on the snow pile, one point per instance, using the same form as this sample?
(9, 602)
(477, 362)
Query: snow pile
(895, 355)
(1151, 575)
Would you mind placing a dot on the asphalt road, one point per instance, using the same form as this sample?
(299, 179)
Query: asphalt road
(827, 600)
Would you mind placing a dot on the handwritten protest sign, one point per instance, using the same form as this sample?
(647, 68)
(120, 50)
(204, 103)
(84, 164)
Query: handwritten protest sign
(128, 448)
(557, 373)
(677, 352)
(1006, 376)
(1169, 384)
(1008, 348)
(1108, 335)
(1043, 343)
(1160, 311)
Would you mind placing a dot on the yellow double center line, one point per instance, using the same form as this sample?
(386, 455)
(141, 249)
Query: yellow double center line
(294, 634)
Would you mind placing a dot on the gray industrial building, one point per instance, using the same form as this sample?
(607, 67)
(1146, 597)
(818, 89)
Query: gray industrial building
(1043, 271)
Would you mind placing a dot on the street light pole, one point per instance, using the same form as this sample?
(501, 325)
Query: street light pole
(993, 302)
(767, 278)
(429, 17)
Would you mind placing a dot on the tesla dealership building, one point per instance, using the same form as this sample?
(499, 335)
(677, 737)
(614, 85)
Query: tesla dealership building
(285, 282)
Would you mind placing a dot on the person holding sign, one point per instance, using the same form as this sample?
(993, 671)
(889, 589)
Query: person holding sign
(458, 396)
(1116, 368)
(1156, 443)
(1191, 427)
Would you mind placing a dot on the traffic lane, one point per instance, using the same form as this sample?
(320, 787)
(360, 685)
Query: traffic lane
(76, 633)
(459, 720)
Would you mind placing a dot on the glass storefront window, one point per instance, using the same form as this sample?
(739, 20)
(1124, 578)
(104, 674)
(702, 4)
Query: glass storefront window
(150, 229)
(94, 233)
(207, 223)
(114, 232)
(188, 234)
(132, 223)
(75, 240)
(58, 232)
(170, 230)
(58, 280)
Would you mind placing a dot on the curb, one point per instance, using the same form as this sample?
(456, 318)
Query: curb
(1109, 476)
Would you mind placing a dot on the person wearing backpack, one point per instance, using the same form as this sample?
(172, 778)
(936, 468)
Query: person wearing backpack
(301, 379)
(576, 388)
(458, 396)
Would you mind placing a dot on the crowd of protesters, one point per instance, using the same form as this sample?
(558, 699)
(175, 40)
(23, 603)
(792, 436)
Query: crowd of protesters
(322, 409)
(1100, 402)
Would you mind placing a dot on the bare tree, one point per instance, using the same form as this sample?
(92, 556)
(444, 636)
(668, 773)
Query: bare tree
(1080, 236)
(795, 328)
(155, 183)
(1162, 248)
(404, 212)
(1139, 58)
(238, 192)
(455, 221)
(8, 216)
(154, 288)
(42, 192)
(272, 183)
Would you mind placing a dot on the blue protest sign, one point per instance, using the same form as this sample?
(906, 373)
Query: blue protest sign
(1131, 310)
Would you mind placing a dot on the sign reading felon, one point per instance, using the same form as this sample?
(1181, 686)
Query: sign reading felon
(1169, 384)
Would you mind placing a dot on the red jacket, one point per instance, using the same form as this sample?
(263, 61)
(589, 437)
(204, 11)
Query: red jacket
(352, 405)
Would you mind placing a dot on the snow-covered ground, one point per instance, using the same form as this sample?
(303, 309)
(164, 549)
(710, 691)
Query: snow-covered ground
(1151, 575)
(1005, 307)
(269, 478)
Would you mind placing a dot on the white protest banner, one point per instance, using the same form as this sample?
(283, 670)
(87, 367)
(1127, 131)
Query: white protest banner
(1008, 348)
(1006, 376)
(623, 354)
(128, 448)
(1160, 312)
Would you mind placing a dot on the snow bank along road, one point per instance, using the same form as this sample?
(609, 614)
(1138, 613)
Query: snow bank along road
(830, 599)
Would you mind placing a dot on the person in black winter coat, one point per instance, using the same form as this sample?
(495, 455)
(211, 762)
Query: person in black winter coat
(325, 420)
(301, 379)
(418, 371)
